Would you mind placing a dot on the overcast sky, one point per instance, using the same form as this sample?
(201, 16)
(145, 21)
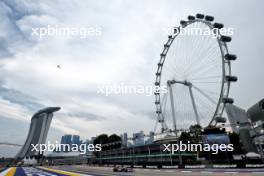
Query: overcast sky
(127, 51)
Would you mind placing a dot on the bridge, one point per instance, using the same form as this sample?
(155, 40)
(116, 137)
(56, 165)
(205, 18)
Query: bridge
(10, 144)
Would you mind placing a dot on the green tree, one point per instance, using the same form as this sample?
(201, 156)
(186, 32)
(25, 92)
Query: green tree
(185, 137)
(115, 140)
(195, 132)
(101, 139)
(108, 142)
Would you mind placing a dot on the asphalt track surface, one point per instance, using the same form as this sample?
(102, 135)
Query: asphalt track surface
(82, 170)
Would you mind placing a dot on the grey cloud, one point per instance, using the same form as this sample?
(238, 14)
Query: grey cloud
(20, 98)
(83, 115)
(20, 8)
(10, 14)
(4, 51)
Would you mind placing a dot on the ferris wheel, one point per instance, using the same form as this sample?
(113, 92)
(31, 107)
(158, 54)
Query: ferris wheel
(195, 68)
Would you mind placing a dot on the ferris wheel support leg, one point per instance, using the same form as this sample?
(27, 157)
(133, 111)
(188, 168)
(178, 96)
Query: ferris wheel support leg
(172, 109)
(194, 105)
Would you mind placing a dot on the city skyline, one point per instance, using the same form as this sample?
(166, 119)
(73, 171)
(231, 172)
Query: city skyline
(66, 71)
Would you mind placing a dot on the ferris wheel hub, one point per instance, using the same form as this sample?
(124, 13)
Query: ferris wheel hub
(185, 82)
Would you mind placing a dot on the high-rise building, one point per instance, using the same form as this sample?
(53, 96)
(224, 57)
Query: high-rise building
(92, 139)
(151, 138)
(76, 139)
(237, 117)
(63, 139)
(124, 139)
(138, 138)
(66, 139)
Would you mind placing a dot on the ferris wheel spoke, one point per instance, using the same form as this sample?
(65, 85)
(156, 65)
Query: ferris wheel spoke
(198, 47)
(173, 71)
(208, 108)
(205, 95)
(193, 41)
(206, 105)
(176, 68)
(211, 67)
(204, 55)
(204, 108)
(212, 93)
(201, 57)
(201, 64)
(206, 82)
(205, 78)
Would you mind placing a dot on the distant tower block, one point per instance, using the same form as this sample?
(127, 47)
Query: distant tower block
(38, 131)
(237, 116)
(256, 112)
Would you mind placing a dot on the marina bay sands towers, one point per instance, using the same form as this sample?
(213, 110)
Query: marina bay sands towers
(38, 131)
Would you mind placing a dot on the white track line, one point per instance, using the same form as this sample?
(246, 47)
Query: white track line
(169, 171)
(231, 172)
(206, 172)
(186, 171)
